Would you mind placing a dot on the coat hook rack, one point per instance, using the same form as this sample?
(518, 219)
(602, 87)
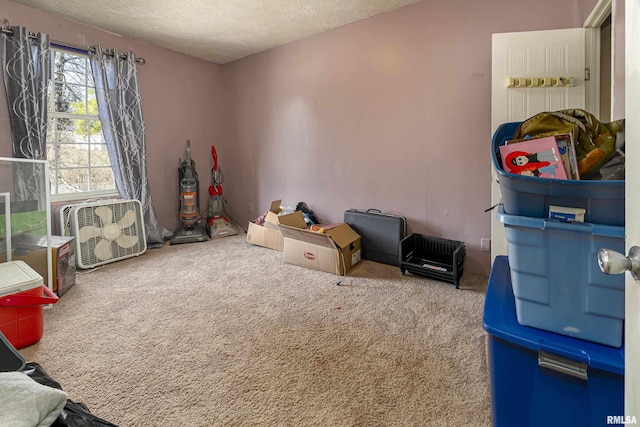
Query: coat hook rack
(523, 82)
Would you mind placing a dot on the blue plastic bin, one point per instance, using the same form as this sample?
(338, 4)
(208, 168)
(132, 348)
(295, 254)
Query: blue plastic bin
(557, 281)
(539, 378)
(531, 196)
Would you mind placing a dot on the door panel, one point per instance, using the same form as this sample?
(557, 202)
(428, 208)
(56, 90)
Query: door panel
(632, 206)
(532, 54)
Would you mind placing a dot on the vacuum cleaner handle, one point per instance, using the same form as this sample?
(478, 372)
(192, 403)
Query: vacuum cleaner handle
(215, 158)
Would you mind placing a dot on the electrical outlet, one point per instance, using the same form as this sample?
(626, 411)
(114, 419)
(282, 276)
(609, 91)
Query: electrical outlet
(485, 245)
(250, 207)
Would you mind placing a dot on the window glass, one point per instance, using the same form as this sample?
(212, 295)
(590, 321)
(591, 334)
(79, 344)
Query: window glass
(78, 159)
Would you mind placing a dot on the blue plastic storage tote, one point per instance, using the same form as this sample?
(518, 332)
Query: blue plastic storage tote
(557, 281)
(531, 196)
(539, 378)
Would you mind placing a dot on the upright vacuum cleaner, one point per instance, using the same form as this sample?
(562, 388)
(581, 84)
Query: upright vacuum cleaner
(190, 230)
(218, 224)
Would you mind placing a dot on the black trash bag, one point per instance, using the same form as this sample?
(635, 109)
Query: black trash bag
(309, 215)
(74, 414)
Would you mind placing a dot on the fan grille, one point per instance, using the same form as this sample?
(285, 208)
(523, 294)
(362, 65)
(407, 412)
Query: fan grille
(64, 222)
(96, 227)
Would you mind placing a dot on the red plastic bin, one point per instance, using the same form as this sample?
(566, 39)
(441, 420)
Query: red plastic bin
(22, 312)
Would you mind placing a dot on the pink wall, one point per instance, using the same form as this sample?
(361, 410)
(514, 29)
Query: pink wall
(585, 7)
(180, 101)
(392, 112)
(617, 18)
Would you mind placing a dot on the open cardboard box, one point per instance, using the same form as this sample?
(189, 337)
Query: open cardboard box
(335, 251)
(267, 235)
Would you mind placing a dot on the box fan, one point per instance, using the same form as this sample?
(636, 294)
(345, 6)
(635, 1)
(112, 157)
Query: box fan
(105, 231)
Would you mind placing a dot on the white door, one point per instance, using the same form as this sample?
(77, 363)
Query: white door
(532, 54)
(632, 208)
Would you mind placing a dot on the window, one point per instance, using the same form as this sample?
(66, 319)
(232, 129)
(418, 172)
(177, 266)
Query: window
(79, 164)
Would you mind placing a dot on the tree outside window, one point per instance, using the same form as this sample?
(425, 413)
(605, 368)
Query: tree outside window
(78, 159)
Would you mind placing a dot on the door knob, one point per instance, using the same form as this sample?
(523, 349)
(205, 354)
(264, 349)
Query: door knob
(612, 262)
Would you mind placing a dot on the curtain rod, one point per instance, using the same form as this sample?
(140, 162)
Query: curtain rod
(6, 30)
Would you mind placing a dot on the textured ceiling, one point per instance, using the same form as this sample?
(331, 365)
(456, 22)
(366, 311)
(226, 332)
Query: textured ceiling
(219, 31)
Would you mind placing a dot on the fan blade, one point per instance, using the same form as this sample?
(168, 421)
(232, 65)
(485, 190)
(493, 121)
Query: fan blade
(103, 250)
(128, 219)
(126, 241)
(87, 232)
(105, 214)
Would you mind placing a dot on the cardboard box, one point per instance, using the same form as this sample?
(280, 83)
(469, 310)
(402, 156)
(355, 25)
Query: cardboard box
(335, 251)
(268, 234)
(32, 249)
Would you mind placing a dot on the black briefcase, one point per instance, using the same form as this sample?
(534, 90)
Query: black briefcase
(381, 234)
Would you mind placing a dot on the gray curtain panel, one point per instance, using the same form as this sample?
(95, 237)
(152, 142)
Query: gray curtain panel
(119, 107)
(25, 67)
